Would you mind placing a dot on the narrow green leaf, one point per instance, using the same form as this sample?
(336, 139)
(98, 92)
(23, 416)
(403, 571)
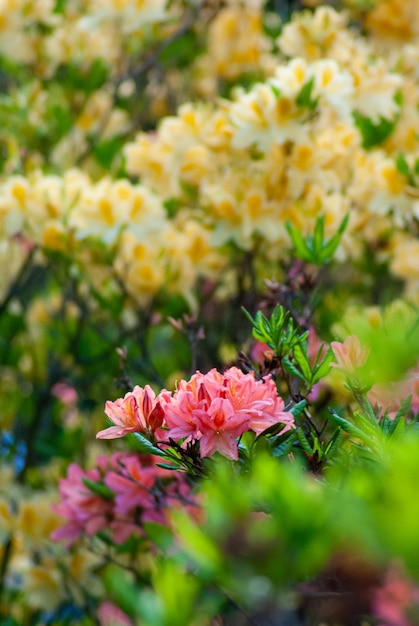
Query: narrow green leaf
(304, 441)
(247, 314)
(298, 241)
(399, 427)
(298, 408)
(350, 428)
(100, 489)
(301, 359)
(291, 369)
(405, 407)
(283, 448)
(304, 98)
(321, 369)
(333, 444)
(330, 247)
(318, 237)
(168, 467)
(159, 534)
(142, 444)
(402, 165)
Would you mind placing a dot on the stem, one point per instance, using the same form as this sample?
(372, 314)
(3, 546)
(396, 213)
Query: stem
(8, 548)
(21, 277)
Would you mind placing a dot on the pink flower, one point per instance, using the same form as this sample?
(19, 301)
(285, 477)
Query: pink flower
(390, 395)
(65, 393)
(215, 409)
(131, 490)
(139, 411)
(259, 400)
(220, 425)
(85, 511)
(392, 601)
(350, 355)
(132, 485)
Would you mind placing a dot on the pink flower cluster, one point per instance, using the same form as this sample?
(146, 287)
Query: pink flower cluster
(214, 409)
(129, 489)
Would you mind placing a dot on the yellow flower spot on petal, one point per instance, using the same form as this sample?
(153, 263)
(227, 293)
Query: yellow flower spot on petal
(283, 108)
(137, 207)
(139, 252)
(395, 182)
(299, 73)
(105, 209)
(303, 155)
(19, 192)
(254, 203)
(327, 76)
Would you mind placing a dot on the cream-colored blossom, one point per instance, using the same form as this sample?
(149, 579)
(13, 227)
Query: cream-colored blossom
(375, 88)
(236, 42)
(311, 34)
(263, 117)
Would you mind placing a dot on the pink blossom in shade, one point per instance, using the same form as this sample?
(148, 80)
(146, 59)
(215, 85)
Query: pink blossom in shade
(138, 411)
(109, 614)
(65, 393)
(85, 511)
(350, 355)
(389, 396)
(260, 351)
(391, 602)
(132, 486)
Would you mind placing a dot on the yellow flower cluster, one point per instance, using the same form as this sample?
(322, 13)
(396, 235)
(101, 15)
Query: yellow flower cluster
(334, 129)
(72, 214)
(36, 34)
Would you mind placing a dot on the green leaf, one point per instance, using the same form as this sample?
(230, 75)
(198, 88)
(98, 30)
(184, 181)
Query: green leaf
(299, 243)
(275, 90)
(142, 444)
(351, 429)
(100, 489)
(121, 589)
(318, 236)
(177, 591)
(333, 444)
(402, 165)
(322, 369)
(106, 151)
(405, 407)
(284, 447)
(298, 408)
(330, 247)
(168, 467)
(304, 98)
(197, 543)
(291, 369)
(369, 411)
(159, 534)
(301, 359)
(373, 133)
(304, 441)
(181, 51)
(398, 427)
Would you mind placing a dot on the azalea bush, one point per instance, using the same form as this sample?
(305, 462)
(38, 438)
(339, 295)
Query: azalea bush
(209, 325)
